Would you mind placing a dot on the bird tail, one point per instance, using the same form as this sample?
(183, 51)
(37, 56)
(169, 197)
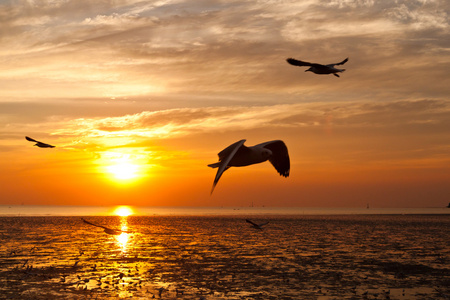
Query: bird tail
(214, 165)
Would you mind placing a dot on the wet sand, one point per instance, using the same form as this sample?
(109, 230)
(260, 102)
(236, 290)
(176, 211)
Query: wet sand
(176, 257)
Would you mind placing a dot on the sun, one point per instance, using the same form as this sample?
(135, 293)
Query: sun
(124, 166)
(123, 211)
(121, 166)
(124, 170)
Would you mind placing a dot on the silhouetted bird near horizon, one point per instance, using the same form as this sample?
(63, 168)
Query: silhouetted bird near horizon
(238, 155)
(257, 226)
(39, 144)
(107, 230)
(318, 68)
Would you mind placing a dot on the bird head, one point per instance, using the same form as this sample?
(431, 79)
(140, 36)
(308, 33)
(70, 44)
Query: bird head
(308, 70)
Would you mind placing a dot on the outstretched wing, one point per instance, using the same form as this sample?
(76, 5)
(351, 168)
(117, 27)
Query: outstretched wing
(44, 145)
(262, 224)
(280, 156)
(87, 222)
(254, 224)
(298, 63)
(39, 144)
(342, 62)
(225, 157)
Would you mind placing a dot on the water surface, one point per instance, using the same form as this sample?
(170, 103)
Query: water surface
(221, 257)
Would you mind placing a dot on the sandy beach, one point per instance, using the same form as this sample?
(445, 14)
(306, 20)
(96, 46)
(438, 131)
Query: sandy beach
(214, 257)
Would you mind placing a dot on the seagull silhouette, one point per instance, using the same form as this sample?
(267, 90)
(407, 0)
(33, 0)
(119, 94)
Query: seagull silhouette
(257, 226)
(238, 155)
(39, 144)
(318, 68)
(107, 230)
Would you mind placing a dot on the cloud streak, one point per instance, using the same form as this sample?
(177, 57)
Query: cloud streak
(426, 116)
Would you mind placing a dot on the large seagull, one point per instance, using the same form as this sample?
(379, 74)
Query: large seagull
(238, 155)
(318, 68)
(39, 144)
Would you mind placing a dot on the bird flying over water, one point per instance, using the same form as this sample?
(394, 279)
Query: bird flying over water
(107, 230)
(257, 226)
(318, 68)
(238, 155)
(39, 144)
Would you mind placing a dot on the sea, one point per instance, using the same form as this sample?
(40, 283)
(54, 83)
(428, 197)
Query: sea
(66, 210)
(66, 252)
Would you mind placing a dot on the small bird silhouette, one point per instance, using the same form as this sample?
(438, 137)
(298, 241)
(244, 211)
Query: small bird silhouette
(257, 226)
(39, 144)
(107, 230)
(238, 155)
(318, 68)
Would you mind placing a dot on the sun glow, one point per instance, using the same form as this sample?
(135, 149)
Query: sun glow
(123, 167)
(124, 170)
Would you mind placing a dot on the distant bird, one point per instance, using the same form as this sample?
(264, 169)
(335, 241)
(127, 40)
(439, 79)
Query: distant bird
(257, 226)
(238, 155)
(39, 144)
(318, 68)
(107, 230)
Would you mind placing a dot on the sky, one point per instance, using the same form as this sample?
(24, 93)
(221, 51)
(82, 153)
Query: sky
(140, 96)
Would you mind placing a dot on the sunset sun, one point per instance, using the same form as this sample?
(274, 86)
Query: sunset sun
(122, 167)
(124, 170)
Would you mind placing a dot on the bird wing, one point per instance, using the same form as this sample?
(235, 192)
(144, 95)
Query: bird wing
(225, 153)
(262, 224)
(280, 156)
(41, 144)
(254, 224)
(341, 63)
(298, 63)
(225, 157)
(87, 222)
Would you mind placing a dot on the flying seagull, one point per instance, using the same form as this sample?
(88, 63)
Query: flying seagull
(238, 155)
(107, 230)
(257, 226)
(318, 68)
(39, 144)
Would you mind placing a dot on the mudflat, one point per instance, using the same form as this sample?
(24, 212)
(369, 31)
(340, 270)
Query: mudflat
(223, 257)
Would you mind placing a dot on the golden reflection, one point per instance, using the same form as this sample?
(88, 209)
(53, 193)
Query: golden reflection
(122, 239)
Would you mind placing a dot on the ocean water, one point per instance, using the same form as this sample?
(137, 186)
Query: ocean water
(182, 256)
(47, 210)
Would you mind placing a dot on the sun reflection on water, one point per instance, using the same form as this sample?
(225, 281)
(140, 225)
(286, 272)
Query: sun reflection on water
(122, 239)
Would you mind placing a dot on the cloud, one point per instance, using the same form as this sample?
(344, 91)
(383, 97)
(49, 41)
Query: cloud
(130, 48)
(424, 116)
